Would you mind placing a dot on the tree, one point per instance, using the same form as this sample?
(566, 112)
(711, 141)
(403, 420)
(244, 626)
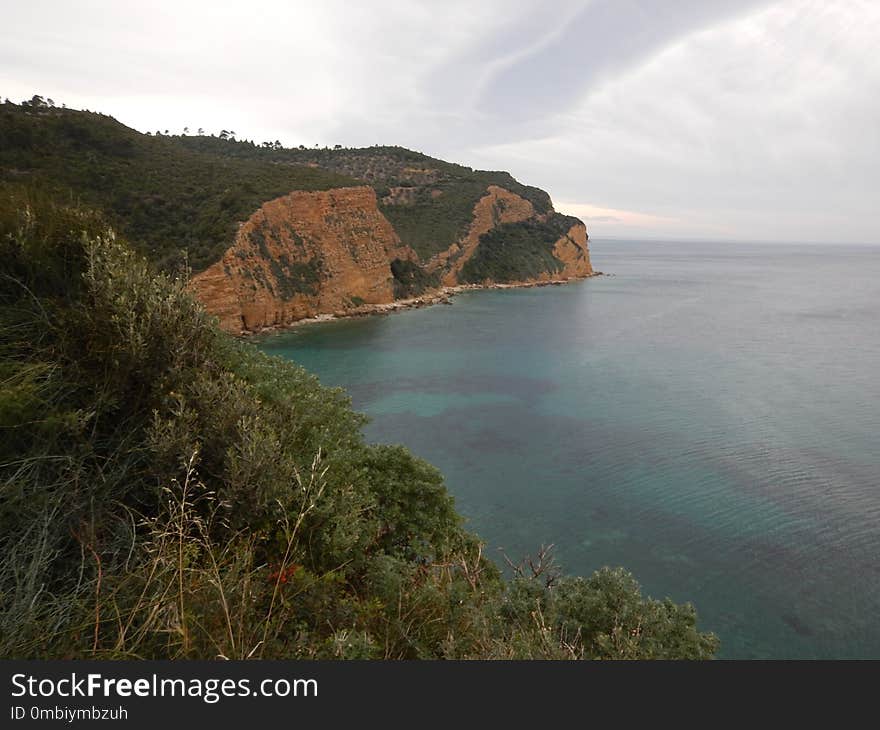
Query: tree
(201, 132)
(186, 130)
(35, 102)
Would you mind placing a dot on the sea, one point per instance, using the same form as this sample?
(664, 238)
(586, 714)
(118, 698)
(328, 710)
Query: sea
(706, 415)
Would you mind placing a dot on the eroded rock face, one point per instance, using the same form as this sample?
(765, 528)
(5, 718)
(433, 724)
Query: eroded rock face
(573, 251)
(300, 255)
(314, 253)
(495, 207)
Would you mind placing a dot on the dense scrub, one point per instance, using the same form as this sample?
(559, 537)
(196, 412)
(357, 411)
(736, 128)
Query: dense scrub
(411, 280)
(167, 491)
(438, 207)
(517, 251)
(381, 166)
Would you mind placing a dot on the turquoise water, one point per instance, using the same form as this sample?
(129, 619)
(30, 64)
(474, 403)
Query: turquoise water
(708, 417)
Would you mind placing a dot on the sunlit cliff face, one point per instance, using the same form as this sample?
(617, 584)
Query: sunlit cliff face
(312, 253)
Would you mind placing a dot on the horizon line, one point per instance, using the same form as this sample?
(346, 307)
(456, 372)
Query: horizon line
(699, 239)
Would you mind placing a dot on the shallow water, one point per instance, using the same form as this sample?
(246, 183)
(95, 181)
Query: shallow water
(707, 417)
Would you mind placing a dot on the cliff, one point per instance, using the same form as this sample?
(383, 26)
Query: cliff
(277, 235)
(300, 255)
(573, 252)
(333, 252)
(498, 217)
(496, 207)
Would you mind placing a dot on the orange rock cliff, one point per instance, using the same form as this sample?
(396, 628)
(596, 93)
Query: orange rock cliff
(331, 253)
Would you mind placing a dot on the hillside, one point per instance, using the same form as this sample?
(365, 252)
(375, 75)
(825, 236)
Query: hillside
(165, 196)
(221, 202)
(429, 201)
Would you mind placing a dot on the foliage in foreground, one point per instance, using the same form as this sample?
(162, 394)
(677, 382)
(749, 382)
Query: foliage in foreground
(166, 491)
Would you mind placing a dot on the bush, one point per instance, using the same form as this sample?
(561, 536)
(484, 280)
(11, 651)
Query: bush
(411, 280)
(513, 252)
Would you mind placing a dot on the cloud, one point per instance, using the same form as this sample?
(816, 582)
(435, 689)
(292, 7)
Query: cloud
(730, 118)
(602, 40)
(763, 127)
(621, 221)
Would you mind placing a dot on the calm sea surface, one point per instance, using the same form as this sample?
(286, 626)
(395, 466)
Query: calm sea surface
(708, 417)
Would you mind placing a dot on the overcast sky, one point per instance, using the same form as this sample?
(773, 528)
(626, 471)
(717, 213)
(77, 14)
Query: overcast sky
(730, 119)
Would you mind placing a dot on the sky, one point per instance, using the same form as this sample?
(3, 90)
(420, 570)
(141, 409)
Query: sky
(753, 120)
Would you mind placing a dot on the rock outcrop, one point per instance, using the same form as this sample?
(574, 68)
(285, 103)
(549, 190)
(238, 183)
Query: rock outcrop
(573, 252)
(301, 255)
(495, 207)
(309, 254)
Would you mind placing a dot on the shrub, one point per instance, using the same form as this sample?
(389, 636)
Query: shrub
(514, 252)
(411, 280)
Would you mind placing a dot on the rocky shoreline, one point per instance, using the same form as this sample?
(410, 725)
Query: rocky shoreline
(443, 295)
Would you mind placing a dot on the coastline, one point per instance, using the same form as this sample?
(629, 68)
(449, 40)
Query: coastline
(443, 295)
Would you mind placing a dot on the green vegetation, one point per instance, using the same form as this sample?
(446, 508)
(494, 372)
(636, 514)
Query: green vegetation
(163, 194)
(442, 197)
(173, 193)
(167, 492)
(411, 280)
(517, 251)
(439, 209)
(291, 277)
(296, 277)
(432, 224)
(381, 166)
